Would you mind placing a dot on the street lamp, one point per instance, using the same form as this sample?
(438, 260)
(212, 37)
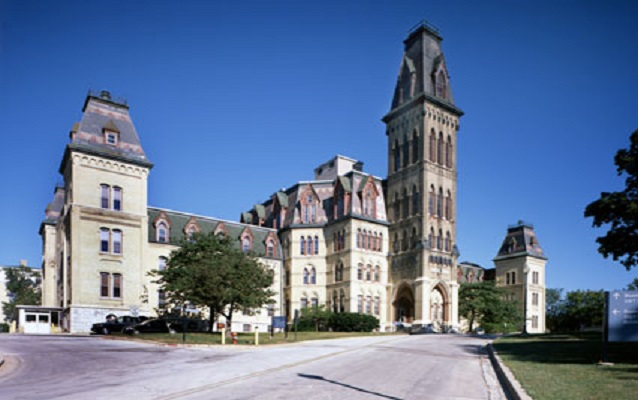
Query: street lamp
(525, 271)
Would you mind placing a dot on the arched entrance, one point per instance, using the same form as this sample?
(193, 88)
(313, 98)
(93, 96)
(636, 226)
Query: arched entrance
(404, 305)
(438, 306)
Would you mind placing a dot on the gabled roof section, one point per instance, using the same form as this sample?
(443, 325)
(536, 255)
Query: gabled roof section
(103, 113)
(282, 198)
(234, 230)
(520, 241)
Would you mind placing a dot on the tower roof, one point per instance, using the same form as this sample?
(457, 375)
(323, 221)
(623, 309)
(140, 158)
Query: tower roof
(520, 241)
(423, 71)
(106, 129)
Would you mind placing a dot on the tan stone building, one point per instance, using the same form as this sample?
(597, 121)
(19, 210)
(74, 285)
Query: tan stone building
(100, 238)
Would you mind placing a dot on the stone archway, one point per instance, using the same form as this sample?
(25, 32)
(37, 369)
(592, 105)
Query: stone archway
(438, 306)
(404, 305)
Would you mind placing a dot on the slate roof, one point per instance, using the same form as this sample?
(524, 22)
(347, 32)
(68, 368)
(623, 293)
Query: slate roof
(178, 221)
(54, 209)
(100, 113)
(520, 241)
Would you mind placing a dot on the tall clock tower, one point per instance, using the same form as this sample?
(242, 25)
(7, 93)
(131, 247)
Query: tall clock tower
(422, 128)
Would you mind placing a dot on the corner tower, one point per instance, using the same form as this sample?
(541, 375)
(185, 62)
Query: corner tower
(520, 270)
(422, 130)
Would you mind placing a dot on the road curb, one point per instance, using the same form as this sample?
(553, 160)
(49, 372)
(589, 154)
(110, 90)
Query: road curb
(513, 388)
(1, 361)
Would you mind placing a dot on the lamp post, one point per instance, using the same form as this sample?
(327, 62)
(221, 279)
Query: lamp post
(525, 271)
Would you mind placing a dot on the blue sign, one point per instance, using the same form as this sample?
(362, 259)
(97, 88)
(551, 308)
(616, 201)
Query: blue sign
(622, 316)
(279, 322)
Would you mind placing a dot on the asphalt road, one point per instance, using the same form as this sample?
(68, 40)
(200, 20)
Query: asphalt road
(394, 367)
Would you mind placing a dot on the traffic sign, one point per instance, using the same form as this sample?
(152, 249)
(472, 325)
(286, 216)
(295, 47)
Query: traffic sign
(622, 316)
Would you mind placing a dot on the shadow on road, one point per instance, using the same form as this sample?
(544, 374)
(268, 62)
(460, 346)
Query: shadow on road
(321, 378)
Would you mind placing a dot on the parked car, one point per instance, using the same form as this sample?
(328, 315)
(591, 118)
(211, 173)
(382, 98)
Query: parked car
(115, 324)
(192, 325)
(149, 326)
(427, 328)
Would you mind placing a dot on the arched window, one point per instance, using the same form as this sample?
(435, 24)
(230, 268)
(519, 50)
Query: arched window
(404, 241)
(377, 274)
(415, 201)
(448, 241)
(431, 239)
(302, 245)
(316, 244)
(360, 303)
(303, 303)
(415, 147)
(309, 208)
(414, 238)
(313, 276)
(395, 243)
(433, 146)
(439, 204)
(380, 242)
(397, 156)
(270, 248)
(245, 244)
(377, 305)
(162, 232)
(342, 301)
(441, 85)
(335, 302)
(360, 272)
(368, 304)
(439, 149)
(448, 206)
(368, 272)
(306, 276)
(448, 152)
(359, 238)
(439, 239)
(309, 243)
(431, 200)
(397, 207)
(406, 152)
(405, 208)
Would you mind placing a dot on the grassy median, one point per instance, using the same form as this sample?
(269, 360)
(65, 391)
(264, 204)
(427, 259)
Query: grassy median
(246, 338)
(566, 367)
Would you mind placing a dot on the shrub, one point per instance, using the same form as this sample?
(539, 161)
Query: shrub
(353, 322)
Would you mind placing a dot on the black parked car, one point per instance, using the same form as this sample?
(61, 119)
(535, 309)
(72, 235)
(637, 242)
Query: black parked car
(115, 324)
(149, 326)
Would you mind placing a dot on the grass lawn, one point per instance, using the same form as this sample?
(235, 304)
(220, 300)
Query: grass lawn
(246, 338)
(566, 367)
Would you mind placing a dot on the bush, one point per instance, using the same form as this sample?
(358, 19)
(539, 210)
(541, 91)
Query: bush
(353, 322)
(4, 327)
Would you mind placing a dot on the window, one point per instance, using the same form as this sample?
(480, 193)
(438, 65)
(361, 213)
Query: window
(368, 273)
(448, 152)
(110, 285)
(104, 240)
(117, 198)
(432, 146)
(415, 147)
(415, 201)
(448, 242)
(431, 201)
(110, 137)
(405, 207)
(309, 243)
(368, 305)
(360, 303)
(161, 294)
(314, 302)
(309, 209)
(439, 149)
(377, 305)
(534, 299)
(380, 241)
(303, 303)
(513, 274)
(535, 277)
(104, 196)
(439, 239)
(335, 302)
(360, 272)
(313, 276)
(406, 152)
(377, 274)
(535, 321)
(305, 276)
(302, 244)
(439, 204)
(245, 244)
(448, 206)
(117, 241)
(358, 238)
(162, 232)
(316, 244)
(270, 248)
(397, 156)
(441, 85)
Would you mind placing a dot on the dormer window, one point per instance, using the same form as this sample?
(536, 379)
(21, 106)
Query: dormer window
(162, 232)
(111, 137)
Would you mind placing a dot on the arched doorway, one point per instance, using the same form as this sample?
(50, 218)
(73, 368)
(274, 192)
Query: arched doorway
(438, 305)
(404, 305)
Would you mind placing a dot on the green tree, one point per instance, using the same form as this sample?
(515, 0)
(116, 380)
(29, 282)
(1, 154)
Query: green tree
(583, 308)
(619, 210)
(22, 284)
(554, 309)
(314, 318)
(633, 285)
(485, 302)
(210, 271)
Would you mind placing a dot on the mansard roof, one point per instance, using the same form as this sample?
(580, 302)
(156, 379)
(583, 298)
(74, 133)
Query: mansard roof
(102, 113)
(422, 59)
(54, 209)
(520, 241)
(179, 220)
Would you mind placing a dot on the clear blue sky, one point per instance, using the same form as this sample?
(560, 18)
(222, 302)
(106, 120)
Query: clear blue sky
(234, 100)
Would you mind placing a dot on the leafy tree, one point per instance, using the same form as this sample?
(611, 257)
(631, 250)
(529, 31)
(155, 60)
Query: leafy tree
(620, 210)
(584, 308)
(314, 319)
(485, 302)
(633, 285)
(22, 284)
(210, 271)
(554, 309)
